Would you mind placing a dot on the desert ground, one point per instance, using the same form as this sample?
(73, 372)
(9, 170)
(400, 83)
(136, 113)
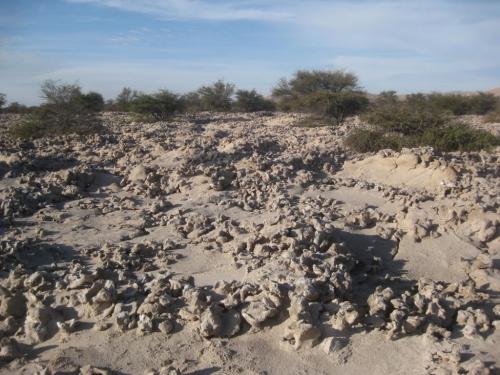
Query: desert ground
(244, 244)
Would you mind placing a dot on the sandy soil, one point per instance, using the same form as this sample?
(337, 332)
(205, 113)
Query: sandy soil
(242, 244)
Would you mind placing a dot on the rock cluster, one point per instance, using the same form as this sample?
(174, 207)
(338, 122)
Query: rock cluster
(105, 232)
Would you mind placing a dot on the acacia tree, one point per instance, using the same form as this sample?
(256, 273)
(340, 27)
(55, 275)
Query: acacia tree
(306, 82)
(333, 94)
(160, 106)
(55, 93)
(252, 101)
(65, 110)
(217, 97)
(125, 98)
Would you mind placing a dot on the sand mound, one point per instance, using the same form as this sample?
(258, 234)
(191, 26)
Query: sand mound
(408, 169)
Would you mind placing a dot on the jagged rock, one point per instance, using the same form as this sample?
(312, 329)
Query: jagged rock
(378, 302)
(37, 323)
(12, 305)
(137, 174)
(346, 316)
(68, 326)
(331, 345)
(222, 179)
(145, 324)
(211, 322)
(412, 324)
(231, 323)
(166, 326)
(8, 326)
(101, 295)
(91, 370)
(477, 367)
(299, 334)
(307, 289)
(169, 370)
(473, 321)
(9, 349)
(262, 307)
(126, 320)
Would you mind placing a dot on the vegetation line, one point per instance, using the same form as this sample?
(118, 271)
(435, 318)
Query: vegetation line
(328, 96)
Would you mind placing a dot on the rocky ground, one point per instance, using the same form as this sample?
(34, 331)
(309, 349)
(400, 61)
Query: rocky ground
(242, 244)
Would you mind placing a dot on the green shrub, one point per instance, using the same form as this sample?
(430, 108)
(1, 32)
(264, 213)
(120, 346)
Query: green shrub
(459, 137)
(28, 128)
(482, 103)
(124, 100)
(423, 120)
(417, 101)
(453, 137)
(92, 101)
(252, 101)
(159, 106)
(455, 104)
(493, 116)
(18, 108)
(63, 112)
(364, 140)
(404, 118)
(217, 97)
(386, 98)
(451, 103)
(3, 100)
(192, 102)
(49, 120)
(333, 94)
(335, 105)
(306, 82)
(56, 93)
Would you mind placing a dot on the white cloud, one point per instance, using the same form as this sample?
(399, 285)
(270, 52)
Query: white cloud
(124, 39)
(196, 9)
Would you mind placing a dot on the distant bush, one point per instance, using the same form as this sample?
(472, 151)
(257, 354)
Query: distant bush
(452, 103)
(252, 101)
(404, 118)
(123, 101)
(452, 137)
(159, 106)
(455, 104)
(423, 120)
(364, 140)
(66, 110)
(48, 120)
(458, 137)
(336, 106)
(386, 98)
(18, 108)
(493, 116)
(3, 100)
(217, 97)
(482, 103)
(333, 94)
(192, 102)
(92, 101)
(306, 82)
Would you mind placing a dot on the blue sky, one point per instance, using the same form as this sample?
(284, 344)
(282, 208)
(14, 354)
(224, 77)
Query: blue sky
(104, 45)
